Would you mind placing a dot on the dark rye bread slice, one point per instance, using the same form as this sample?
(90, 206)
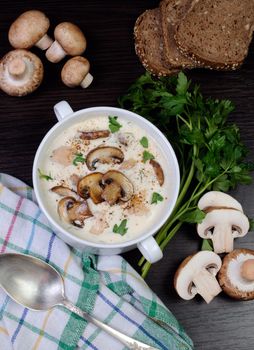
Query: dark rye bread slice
(149, 43)
(172, 12)
(217, 33)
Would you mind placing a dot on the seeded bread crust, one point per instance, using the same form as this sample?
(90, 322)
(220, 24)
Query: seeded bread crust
(172, 12)
(149, 44)
(217, 33)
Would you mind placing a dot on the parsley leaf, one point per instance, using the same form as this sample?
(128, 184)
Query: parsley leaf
(144, 142)
(207, 244)
(113, 125)
(156, 197)
(251, 221)
(147, 156)
(195, 216)
(182, 84)
(121, 229)
(78, 159)
(44, 176)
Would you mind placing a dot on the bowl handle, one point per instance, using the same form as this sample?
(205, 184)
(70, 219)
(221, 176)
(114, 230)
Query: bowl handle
(150, 249)
(62, 109)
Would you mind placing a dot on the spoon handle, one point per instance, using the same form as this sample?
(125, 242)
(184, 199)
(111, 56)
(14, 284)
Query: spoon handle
(125, 339)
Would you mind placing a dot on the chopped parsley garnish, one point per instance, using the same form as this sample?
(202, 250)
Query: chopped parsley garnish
(44, 176)
(121, 229)
(156, 197)
(144, 142)
(147, 156)
(113, 125)
(78, 159)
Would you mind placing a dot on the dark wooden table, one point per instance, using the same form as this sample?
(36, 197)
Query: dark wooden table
(108, 25)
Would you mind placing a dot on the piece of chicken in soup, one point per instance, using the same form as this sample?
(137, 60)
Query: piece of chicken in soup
(103, 180)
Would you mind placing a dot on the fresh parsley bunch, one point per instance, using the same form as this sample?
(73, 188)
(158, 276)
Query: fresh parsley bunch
(209, 149)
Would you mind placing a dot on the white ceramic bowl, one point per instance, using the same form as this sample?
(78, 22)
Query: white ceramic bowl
(145, 243)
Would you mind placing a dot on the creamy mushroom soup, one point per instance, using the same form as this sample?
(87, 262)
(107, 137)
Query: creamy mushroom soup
(103, 180)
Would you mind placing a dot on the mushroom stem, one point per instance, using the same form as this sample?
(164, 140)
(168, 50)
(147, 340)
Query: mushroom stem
(207, 285)
(17, 68)
(247, 270)
(223, 239)
(87, 81)
(55, 53)
(44, 43)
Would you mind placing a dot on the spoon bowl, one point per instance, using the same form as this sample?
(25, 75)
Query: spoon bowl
(38, 286)
(30, 281)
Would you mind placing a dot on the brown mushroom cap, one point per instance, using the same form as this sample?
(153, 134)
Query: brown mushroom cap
(120, 179)
(65, 192)
(158, 171)
(232, 280)
(104, 155)
(112, 193)
(28, 29)
(89, 186)
(71, 38)
(94, 135)
(73, 212)
(21, 72)
(74, 71)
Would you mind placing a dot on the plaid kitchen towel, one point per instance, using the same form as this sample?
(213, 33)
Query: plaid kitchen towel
(106, 287)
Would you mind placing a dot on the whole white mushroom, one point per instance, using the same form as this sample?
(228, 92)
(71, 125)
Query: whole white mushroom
(197, 275)
(30, 29)
(69, 40)
(75, 72)
(21, 72)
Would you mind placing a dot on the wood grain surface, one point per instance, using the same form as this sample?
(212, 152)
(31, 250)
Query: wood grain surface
(108, 25)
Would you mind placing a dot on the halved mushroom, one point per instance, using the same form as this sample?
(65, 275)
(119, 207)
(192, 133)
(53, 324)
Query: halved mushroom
(90, 186)
(236, 275)
(120, 179)
(112, 193)
(93, 135)
(73, 212)
(158, 171)
(196, 275)
(65, 192)
(222, 226)
(217, 199)
(104, 155)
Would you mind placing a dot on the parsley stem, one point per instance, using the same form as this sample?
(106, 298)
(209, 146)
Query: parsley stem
(163, 231)
(183, 120)
(147, 265)
(208, 184)
(141, 261)
(188, 181)
(170, 235)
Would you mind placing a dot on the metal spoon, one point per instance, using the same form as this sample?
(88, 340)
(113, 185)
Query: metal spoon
(38, 286)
